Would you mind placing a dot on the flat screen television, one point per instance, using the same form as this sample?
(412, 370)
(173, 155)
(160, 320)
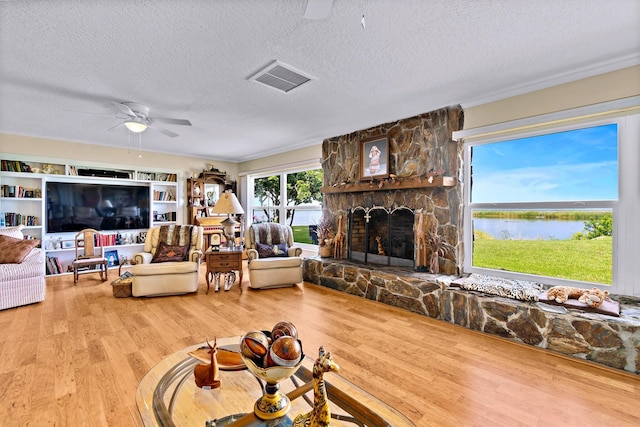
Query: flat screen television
(73, 206)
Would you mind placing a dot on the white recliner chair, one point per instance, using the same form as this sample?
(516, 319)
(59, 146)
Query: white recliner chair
(154, 276)
(21, 281)
(274, 261)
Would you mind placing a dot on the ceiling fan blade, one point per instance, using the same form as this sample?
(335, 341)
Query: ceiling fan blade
(164, 131)
(318, 9)
(125, 109)
(119, 124)
(182, 122)
(89, 112)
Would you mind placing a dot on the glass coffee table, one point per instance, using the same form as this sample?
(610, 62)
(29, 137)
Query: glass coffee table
(168, 395)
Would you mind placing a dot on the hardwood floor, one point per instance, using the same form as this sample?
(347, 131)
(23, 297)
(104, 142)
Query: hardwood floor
(76, 359)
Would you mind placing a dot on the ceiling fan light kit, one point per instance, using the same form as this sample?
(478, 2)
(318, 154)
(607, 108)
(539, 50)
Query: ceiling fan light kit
(136, 125)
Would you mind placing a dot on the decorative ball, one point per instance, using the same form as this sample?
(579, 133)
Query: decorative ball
(254, 345)
(285, 351)
(284, 329)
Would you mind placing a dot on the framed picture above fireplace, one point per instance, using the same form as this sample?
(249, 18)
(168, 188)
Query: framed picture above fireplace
(374, 158)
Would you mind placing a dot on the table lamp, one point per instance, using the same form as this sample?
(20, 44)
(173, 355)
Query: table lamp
(228, 204)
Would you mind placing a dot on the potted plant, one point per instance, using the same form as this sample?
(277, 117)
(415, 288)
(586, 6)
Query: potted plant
(439, 247)
(325, 237)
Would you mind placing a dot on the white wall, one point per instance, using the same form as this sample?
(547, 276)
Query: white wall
(605, 87)
(290, 157)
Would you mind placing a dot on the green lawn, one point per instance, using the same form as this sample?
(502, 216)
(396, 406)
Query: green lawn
(584, 260)
(301, 234)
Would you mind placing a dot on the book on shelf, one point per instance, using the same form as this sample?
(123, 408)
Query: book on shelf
(18, 191)
(165, 196)
(12, 219)
(15, 166)
(53, 265)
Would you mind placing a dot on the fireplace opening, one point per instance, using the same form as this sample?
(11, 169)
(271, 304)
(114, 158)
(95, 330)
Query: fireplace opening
(379, 236)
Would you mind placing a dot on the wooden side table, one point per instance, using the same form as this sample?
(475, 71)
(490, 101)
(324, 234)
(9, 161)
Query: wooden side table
(223, 262)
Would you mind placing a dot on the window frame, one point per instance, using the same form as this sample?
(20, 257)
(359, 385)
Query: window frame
(282, 207)
(628, 198)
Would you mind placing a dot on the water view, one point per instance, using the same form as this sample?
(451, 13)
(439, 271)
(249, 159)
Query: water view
(526, 229)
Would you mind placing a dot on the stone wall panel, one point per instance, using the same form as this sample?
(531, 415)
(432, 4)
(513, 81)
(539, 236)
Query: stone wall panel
(499, 310)
(616, 358)
(596, 334)
(459, 304)
(333, 270)
(538, 316)
(494, 328)
(350, 274)
(447, 307)
(372, 293)
(476, 314)
(428, 287)
(525, 329)
(400, 301)
(432, 305)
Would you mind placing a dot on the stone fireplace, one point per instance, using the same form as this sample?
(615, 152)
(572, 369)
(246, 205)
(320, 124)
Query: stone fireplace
(424, 163)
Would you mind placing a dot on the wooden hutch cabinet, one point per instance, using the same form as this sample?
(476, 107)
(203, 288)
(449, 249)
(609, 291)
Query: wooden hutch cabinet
(203, 192)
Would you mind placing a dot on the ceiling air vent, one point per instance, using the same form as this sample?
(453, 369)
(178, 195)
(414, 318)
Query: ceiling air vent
(281, 77)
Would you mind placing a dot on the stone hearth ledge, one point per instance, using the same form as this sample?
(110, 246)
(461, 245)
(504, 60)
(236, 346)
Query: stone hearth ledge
(608, 340)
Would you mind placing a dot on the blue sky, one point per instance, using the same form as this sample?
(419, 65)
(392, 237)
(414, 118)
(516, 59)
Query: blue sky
(574, 165)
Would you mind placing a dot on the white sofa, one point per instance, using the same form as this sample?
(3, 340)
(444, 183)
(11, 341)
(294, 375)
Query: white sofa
(166, 278)
(273, 271)
(22, 283)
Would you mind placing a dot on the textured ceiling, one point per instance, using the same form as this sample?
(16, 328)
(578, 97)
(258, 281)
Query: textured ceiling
(62, 63)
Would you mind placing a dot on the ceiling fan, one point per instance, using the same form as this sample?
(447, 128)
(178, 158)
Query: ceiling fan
(138, 119)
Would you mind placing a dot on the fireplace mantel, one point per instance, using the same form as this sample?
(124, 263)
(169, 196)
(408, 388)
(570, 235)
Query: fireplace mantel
(386, 185)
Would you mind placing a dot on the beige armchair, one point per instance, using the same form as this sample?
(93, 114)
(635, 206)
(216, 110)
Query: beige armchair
(274, 261)
(169, 263)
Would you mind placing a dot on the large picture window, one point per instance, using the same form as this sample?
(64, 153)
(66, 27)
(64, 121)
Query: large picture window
(544, 205)
(291, 198)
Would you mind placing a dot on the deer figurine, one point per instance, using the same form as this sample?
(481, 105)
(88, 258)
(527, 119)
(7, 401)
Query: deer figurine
(207, 374)
(320, 415)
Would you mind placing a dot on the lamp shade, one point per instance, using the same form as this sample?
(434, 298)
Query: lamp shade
(228, 204)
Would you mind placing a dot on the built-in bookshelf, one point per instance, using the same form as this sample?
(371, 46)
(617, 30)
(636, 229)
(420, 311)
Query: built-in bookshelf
(23, 200)
(164, 202)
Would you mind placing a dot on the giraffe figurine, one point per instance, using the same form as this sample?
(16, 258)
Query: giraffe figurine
(380, 246)
(320, 415)
(421, 242)
(338, 242)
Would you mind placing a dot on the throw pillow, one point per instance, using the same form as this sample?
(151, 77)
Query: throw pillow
(266, 251)
(15, 231)
(14, 251)
(167, 253)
